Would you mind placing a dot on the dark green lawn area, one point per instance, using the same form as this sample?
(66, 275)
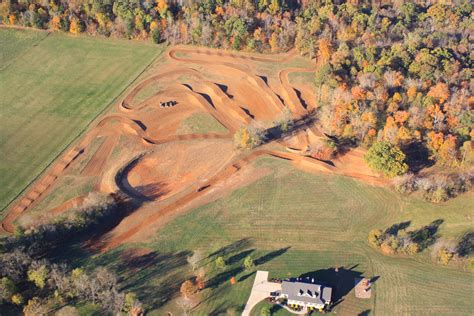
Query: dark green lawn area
(52, 86)
(292, 224)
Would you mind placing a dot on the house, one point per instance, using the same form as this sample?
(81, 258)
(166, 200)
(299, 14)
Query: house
(306, 293)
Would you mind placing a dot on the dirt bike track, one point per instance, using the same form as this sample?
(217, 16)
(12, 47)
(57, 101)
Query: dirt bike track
(188, 166)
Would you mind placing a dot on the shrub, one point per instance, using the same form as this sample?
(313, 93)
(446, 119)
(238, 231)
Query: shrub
(220, 263)
(7, 288)
(411, 248)
(248, 263)
(436, 188)
(188, 288)
(445, 255)
(375, 237)
(406, 183)
(386, 248)
(248, 138)
(265, 311)
(17, 299)
(38, 276)
(386, 158)
(437, 196)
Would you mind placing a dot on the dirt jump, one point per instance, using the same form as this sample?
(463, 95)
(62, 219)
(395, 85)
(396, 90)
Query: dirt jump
(143, 155)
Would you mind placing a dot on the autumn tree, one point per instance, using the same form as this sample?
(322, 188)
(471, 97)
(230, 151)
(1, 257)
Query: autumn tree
(248, 137)
(162, 7)
(274, 42)
(324, 51)
(274, 6)
(38, 275)
(188, 288)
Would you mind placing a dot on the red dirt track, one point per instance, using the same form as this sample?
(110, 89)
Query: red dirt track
(176, 171)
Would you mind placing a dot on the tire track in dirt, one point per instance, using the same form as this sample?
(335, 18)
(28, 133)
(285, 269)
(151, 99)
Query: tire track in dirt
(236, 70)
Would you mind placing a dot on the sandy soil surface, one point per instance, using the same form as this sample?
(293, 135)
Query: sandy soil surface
(143, 156)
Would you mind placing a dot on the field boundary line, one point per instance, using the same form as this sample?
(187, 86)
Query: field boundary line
(81, 133)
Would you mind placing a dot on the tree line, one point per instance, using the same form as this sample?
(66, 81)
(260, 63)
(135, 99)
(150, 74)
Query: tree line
(34, 282)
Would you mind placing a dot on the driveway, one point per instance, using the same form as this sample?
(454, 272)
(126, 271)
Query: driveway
(260, 290)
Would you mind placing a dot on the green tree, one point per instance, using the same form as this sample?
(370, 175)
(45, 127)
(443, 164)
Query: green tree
(220, 263)
(386, 158)
(248, 263)
(156, 35)
(7, 288)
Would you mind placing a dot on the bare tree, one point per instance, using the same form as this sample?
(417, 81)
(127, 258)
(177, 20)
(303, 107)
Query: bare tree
(195, 258)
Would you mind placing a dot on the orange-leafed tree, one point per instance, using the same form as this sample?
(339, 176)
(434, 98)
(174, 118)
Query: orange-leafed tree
(219, 11)
(358, 93)
(162, 7)
(55, 23)
(401, 117)
(435, 140)
(188, 288)
(411, 93)
(440, 91)
(448, 152)
(324, 51)
(75, 26)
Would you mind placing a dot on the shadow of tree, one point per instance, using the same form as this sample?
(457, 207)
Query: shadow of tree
(77, 246)
(245, 277)
(427, 235)
(223, 277)
(137, 271)
(365, 313)
(465, 246)
(276, 132)
(238, 257)
(275, 309)
(233, 247)
(395, 228)
(417, 156)
(271, 255)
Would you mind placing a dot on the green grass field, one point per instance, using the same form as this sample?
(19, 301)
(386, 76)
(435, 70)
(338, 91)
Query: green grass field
(201, 123)
(52, 87)
(295, 223)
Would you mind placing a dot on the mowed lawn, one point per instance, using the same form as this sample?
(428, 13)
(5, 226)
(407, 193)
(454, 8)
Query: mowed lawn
(294, 223)
(51, 87)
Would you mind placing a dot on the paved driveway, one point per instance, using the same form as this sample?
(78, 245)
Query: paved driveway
(261, 289)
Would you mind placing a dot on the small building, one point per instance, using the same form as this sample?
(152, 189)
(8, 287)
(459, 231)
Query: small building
(306, 293)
